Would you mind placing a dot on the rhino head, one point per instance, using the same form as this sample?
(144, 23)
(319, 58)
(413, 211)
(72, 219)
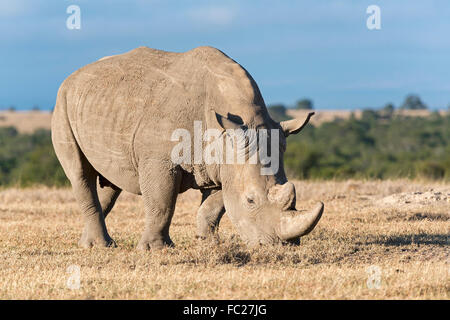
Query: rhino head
(261, 205)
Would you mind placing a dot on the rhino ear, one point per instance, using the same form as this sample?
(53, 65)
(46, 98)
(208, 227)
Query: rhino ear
(295, 125)
(226, 123)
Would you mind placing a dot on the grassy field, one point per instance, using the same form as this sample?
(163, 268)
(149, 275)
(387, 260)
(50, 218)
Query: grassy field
(376, 240)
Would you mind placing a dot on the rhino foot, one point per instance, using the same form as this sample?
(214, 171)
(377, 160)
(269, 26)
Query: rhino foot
(209, 237)
(87, 241)
(145, 245)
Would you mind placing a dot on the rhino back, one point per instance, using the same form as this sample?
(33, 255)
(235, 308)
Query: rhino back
(105, 102)
(123, 109)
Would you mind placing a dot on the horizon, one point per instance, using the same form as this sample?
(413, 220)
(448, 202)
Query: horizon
(288, 107)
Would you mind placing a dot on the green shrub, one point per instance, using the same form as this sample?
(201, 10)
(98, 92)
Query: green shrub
(430, 170)
(27, 159)
(371, 147)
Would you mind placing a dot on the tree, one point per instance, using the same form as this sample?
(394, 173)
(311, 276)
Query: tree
(304, 104)
(278, 112)
(389, 107)
(387, 111)
(369, 115)
(413, 102)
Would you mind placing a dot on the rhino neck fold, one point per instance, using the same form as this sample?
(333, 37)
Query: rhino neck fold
(213, 172)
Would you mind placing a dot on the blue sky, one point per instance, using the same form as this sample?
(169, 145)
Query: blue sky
(294, 49)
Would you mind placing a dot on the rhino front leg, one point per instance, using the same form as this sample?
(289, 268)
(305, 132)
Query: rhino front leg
(159, 184)
(209, 214)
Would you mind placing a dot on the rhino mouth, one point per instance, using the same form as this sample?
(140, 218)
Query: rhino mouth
(292, 225)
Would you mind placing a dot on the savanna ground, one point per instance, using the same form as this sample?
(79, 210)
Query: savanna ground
(376, 240)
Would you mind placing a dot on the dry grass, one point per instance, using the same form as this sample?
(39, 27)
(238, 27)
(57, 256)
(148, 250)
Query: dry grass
(409, 242)
(26, 122)
(322, 116)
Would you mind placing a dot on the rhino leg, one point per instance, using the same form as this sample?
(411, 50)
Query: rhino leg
(85, 190)
(209, 214)
(83, 178)
(107, 196)
(159, 185)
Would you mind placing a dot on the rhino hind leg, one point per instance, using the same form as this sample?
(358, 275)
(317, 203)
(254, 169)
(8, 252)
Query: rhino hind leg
(159, 184)
(83, 182)
(107, 196)
(209, 213)
(85, 190)
(83, 178)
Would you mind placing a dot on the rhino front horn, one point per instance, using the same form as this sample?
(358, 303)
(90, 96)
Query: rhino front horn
(294, 224)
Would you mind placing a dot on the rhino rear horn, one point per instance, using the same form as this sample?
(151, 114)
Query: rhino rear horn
(283, 196)
(295, 125)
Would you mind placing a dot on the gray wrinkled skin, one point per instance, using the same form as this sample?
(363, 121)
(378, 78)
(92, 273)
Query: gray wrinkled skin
(111, 130)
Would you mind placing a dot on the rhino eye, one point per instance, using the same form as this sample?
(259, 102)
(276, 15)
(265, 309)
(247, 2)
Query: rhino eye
(250, 201)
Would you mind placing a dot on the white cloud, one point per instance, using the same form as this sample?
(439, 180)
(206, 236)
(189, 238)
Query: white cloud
(213, 15)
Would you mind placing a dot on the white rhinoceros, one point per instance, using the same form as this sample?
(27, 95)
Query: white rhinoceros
(114, 120)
